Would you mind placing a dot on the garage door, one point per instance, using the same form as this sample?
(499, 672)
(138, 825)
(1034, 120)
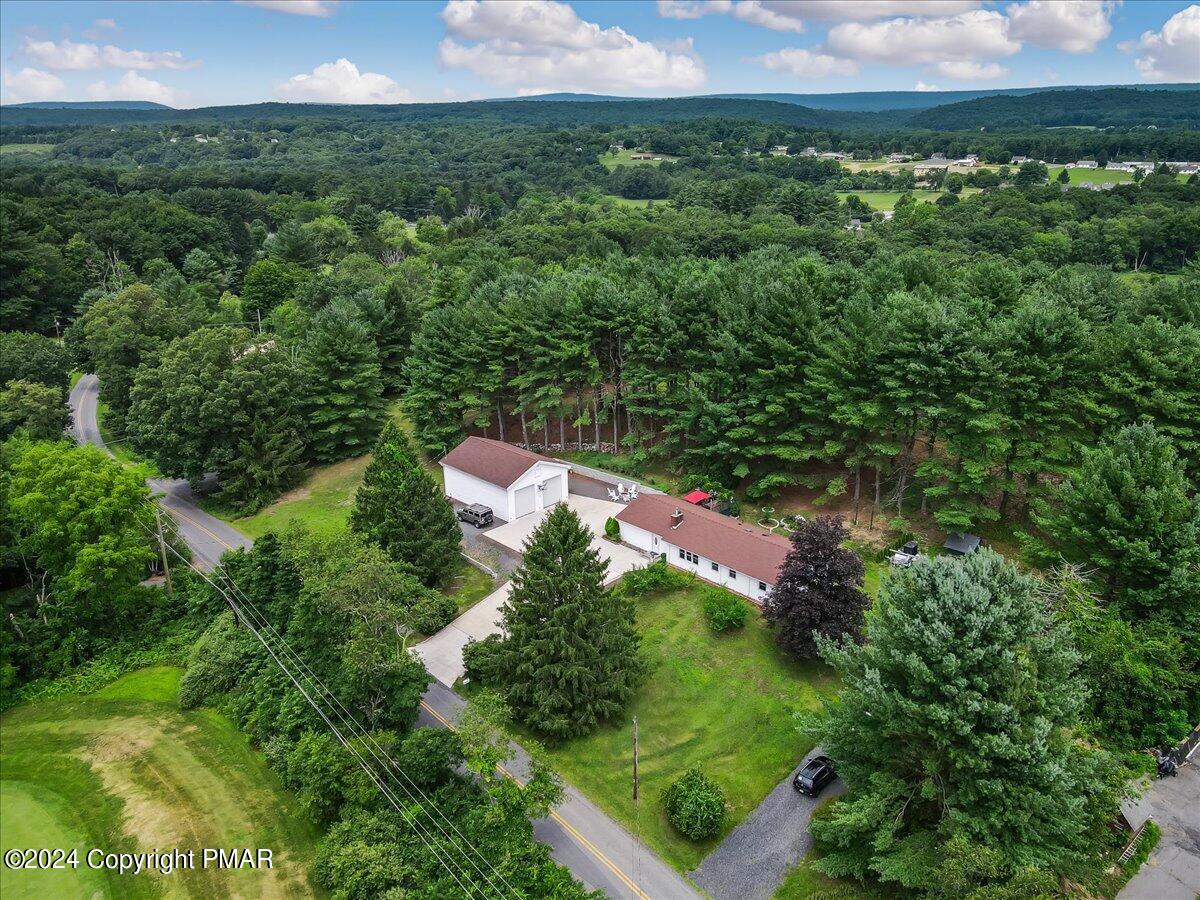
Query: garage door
(526, 501)
(553, 492)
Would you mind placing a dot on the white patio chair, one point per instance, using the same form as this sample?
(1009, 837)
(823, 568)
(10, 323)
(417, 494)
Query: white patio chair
(613, 496)
(633, 492)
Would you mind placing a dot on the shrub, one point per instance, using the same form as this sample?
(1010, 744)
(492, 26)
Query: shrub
(695, 805)
(428, 756)
(724, 611)
(481, 659)
(433, 612)
(216, 662)
(657, 576)
(612, 529)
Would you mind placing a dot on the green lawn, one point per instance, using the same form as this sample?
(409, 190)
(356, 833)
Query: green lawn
(805, 883)
(886, 200)
(6, 149)
(1095, 176)
(625, 158)
(125, 770)
(727, 702)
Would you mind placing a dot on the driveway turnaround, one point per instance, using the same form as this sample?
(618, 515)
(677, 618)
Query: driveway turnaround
(756, 856)
(443, 651)
(1173, 870)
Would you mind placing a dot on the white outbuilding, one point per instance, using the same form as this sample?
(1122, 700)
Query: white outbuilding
(512, 481)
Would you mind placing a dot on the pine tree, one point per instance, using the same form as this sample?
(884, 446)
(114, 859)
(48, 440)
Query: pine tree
(956, 717)
(401, 508)
(1130, 514)
(346, 405)
(570, 657)
(819, 589)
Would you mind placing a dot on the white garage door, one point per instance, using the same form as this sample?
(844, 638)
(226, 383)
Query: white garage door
(526, 501)
(553, 492)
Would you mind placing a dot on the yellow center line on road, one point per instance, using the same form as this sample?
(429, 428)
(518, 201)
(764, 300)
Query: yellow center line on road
(566, 826)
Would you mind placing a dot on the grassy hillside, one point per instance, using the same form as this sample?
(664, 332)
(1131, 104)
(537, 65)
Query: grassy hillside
(125, 770)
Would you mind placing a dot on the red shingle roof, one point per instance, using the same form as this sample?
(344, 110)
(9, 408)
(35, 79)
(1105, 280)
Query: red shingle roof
(719, 538)
(493, 461)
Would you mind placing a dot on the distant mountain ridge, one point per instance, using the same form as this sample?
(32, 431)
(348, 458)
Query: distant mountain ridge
(88, 104)
(875, 101)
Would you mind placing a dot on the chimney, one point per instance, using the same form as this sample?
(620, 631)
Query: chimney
(676, 518)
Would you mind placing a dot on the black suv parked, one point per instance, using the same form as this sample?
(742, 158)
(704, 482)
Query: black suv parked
(814, 776)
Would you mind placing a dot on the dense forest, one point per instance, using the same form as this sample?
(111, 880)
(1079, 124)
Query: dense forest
(258, 290)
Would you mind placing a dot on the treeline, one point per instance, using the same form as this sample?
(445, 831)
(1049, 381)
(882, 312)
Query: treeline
(1111, 107)
(959, 390)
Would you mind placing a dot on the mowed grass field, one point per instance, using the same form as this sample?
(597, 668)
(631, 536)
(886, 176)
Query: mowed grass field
(886, 200)
(727, 702)
(6, 149)
(126, 770)
(625, 158)
(1095, 176)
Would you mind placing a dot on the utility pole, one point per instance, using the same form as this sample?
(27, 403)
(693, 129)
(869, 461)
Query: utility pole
(637, 810)
(635, 761)
(162, 548)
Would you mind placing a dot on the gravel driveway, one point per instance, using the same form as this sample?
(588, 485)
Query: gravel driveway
(756, 856)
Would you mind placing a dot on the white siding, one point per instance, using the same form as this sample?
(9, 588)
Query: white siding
(740, 583)
(468, 489)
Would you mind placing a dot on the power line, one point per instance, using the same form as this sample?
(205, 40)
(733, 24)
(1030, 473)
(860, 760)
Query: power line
(376, 751)
(371, 773)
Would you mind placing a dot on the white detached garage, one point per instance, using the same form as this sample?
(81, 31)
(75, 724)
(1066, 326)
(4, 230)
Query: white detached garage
(512, 481)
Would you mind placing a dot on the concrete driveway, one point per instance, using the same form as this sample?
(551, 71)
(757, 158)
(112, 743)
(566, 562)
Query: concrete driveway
(755, 857)
(1173, 870)
(442, 652)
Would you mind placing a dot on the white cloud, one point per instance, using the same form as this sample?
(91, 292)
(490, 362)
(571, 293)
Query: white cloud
(544, 45)
(922, 87)
(1075, 26)
(790, 15)
(133, 86)
(968, 70)
(320, 8)
(67, 54)
(31, 84)
(341, 82)
(806, 63)
(775, 16)
(105, 23)
(692, 9)
(969, 36)
(1172, 54)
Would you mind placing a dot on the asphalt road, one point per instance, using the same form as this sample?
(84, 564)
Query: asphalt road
(1172, 872)
(755, 857)
(597, 850)
(207, 536)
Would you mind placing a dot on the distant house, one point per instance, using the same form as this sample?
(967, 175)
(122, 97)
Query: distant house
(959, 544)
(832, 154)
(930, 168)
(855, 225)
(641, 156)
(809, 151)
(200, 139)
(617, 145)
(512, 481)
(940, 157)
(717, 548)
(1019, 160)
(898, 157)
(779, 150)
(1083, 164)
(969, 160)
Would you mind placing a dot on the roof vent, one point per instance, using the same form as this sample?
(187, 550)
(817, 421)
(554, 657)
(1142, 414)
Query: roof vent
(677, 518)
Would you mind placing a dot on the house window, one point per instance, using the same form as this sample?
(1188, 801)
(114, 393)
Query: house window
(682, 555)
(715, 567)
(732, 574)
(689, 556)
(762, 585)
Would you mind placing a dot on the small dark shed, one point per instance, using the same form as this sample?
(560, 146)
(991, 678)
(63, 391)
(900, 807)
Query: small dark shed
(958, 544)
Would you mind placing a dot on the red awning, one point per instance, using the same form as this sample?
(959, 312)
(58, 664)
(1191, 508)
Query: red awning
(697, 497)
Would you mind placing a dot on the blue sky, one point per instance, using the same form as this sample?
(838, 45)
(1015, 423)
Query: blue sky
(204, 53)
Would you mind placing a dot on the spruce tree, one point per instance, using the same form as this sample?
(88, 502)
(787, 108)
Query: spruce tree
(819, 589)
(345, 398)
(956, 719)
(570, 657)
(400, 507)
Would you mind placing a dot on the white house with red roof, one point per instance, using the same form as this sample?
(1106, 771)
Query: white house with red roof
(716, 548)
(511, 481)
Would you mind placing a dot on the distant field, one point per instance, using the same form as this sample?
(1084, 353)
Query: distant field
(625, 201)
(625, 158)
(886, 200)
(1095, 176)
(5, 149)
(125, 770)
